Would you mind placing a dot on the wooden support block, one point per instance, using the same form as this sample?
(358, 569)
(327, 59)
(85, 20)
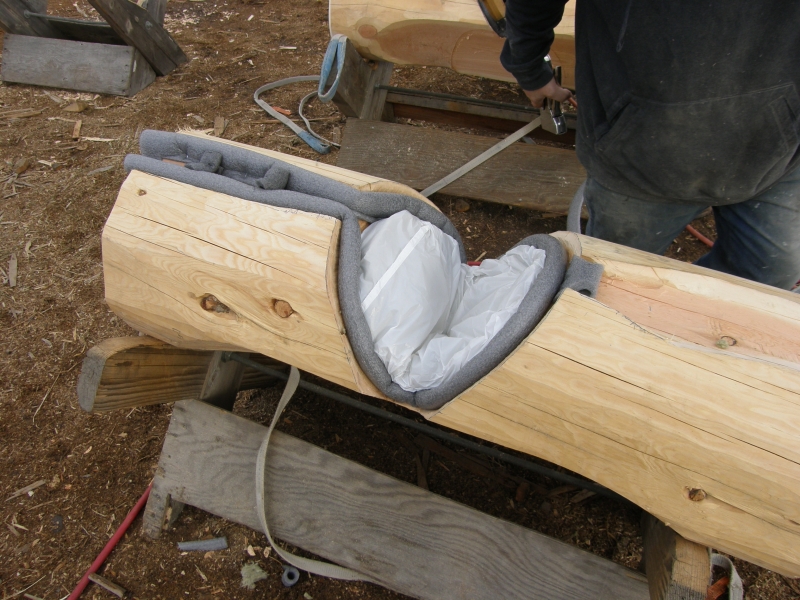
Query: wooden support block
(13, 19)
(677, 569)
(222, 383)
(138, 371)
(405, 538)
(531, 176)
(81, 66)
(356, 95)
(141, 30)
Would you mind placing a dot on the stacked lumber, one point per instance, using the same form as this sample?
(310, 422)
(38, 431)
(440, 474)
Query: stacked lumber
(440, 33)
(678, 387)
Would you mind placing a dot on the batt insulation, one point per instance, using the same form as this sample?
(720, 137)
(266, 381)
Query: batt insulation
(429, 313)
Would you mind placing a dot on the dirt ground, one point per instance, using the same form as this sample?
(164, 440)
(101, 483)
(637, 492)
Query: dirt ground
(95, 467)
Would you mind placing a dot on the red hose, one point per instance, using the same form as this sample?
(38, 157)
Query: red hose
(700, 236)
(111, 544)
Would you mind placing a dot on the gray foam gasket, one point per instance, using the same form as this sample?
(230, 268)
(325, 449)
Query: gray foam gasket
(239, 173)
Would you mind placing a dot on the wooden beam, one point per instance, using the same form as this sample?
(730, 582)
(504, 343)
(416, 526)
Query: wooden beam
(81, 66)
(405, 538)
(141, 30)
(357, 94)
(473, 121)
(449, 34)
(527, 175)
(703, 437)
(676, 568)
(138, 371)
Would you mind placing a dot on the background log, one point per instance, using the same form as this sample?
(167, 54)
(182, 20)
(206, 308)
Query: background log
(449, 33)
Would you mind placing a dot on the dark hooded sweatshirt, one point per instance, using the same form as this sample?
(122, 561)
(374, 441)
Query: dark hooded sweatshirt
(680, 100)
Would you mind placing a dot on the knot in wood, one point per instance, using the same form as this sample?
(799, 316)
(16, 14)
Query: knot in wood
(141, 192)
(283, 308)
(726, 341)
(697, 494)
(212, 304)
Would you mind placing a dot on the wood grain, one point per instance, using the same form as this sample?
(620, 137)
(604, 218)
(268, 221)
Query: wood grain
(138, 371)
(248, 256)
(531, 176)
(450, 33)
(651, 420)
(81, 66)
(406, 538)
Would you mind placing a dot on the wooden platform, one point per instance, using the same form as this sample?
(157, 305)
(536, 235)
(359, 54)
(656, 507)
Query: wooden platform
(527, 175)
(401, 536)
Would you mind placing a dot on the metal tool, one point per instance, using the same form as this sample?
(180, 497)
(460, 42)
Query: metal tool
(495, 15)
(482, 157)
(553, 119)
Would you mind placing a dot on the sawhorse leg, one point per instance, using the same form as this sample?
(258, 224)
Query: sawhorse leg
(677, 569)
(222, 383)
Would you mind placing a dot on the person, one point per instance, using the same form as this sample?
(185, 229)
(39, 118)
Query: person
(683, 105)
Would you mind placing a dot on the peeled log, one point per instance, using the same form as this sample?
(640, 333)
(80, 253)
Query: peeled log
(678, 387)
(440, 33)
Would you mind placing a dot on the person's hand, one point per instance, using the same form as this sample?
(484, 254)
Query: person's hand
(553, 91)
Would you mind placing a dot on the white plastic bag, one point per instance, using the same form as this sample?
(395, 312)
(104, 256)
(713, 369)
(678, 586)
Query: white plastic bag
(428, 313)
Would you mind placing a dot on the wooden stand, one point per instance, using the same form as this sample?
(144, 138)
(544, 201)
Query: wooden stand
(528, 175)
(401, 536)
(121, 56)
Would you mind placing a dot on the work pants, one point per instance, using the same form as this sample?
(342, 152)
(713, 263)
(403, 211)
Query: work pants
(758, 239)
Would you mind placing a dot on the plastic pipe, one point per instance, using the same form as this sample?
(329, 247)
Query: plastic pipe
(76, 593)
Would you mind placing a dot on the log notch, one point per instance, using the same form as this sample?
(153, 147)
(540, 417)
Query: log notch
(446, 33)
(703, 437)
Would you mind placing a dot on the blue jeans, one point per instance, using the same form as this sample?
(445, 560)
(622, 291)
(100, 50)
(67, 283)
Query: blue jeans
(758, 239)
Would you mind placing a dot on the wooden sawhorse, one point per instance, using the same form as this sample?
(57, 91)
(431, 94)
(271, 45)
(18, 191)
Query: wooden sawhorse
(401, 536)
(120, 56)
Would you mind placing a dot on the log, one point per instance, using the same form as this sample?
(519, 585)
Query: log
(447, 33)
(694, 418)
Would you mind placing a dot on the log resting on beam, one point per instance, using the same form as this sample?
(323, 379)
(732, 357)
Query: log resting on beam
(678, 387)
